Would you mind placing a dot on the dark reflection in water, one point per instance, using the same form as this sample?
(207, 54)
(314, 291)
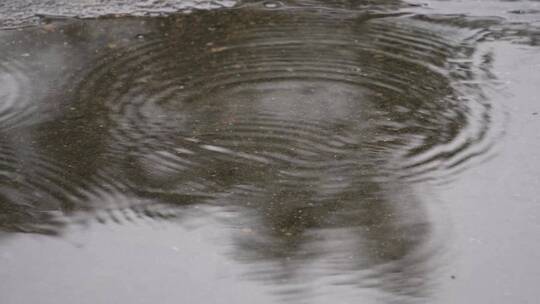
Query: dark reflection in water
(310, 127)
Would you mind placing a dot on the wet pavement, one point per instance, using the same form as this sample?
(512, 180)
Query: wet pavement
(269, 152)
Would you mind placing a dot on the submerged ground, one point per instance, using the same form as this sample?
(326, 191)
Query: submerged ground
(267, 152)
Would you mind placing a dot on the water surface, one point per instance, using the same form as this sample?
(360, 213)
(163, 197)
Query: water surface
(299, 152)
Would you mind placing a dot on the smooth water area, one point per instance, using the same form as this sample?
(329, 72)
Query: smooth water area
(269, 152)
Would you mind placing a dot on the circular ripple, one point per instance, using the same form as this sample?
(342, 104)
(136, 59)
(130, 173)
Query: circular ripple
(297, 122)
(35, 187)
(17, 204)
(15, 93)
(284, 89)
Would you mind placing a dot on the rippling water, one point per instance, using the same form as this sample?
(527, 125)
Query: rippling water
(317, 133)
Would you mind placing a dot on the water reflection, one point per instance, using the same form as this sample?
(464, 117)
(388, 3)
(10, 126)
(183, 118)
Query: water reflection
(308, 128)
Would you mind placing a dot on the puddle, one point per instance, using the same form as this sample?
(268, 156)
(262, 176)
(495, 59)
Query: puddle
(299, 151)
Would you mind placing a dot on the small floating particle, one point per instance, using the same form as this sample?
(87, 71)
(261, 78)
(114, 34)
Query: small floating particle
(25, 55)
